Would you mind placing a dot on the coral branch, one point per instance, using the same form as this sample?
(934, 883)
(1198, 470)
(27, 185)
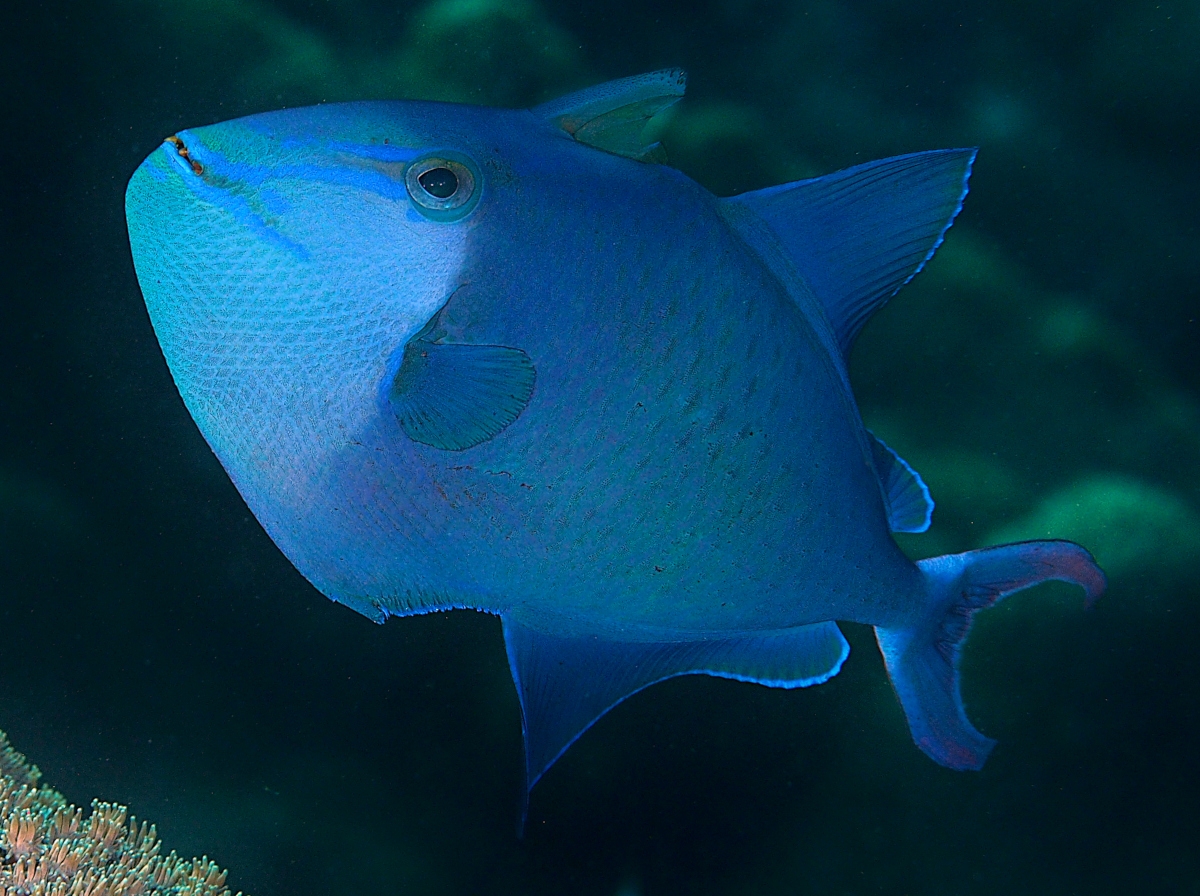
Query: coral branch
(48, 847)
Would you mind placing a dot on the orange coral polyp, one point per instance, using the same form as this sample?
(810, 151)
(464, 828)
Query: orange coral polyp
(48, 848)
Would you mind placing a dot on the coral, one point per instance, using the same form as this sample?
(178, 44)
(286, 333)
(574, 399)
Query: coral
(48, 847)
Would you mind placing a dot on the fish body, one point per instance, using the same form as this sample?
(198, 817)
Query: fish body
(455, 356)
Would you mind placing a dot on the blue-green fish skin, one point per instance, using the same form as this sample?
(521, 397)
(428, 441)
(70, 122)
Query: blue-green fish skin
(454, 356)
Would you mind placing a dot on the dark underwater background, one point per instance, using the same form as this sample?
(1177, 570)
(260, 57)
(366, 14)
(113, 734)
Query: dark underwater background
(157, 650)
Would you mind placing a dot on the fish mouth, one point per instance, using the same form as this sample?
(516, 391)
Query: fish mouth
(207, 176)
(183, 154)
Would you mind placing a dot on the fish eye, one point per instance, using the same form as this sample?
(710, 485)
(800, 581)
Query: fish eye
(439, 182)
(441, 187)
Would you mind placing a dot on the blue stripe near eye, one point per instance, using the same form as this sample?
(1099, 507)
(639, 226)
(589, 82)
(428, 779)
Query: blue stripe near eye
(233, 203)
(364, 178)
(273, 202)
(380, 152)
(223, 182)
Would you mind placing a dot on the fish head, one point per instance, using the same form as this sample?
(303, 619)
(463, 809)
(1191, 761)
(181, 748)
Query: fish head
(294, 265)
(287, 258)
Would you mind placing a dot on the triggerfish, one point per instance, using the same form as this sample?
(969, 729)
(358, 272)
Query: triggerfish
(465, 357)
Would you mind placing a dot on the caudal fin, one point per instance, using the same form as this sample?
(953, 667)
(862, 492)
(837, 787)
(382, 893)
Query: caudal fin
(922, 659)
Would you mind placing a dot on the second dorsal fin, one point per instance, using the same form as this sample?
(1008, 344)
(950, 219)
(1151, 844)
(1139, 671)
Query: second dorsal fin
(613, 115)
(857, 236)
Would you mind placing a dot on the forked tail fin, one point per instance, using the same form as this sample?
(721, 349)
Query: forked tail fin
(922, 659)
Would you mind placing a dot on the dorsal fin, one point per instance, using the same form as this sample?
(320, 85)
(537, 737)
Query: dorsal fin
(613, 115)
(858, 235)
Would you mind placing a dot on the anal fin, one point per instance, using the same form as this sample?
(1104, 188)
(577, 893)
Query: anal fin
(566, 683)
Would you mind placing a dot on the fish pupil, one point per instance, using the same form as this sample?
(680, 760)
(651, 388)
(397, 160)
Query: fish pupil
(441, 183)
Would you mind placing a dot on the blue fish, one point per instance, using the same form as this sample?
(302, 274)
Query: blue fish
(455, 356)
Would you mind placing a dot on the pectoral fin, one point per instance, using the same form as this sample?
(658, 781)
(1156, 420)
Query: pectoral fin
(455, 396)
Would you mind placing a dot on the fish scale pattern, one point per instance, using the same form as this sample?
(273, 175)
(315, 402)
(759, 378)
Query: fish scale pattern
(673, 461)
(580, 392)
(613, 494)
(276, 362)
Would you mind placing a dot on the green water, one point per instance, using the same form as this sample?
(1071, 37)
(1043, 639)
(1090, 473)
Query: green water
(157, 650)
